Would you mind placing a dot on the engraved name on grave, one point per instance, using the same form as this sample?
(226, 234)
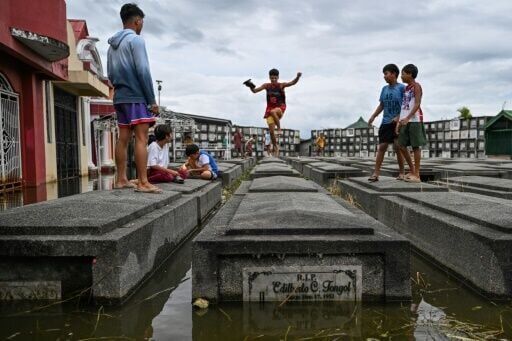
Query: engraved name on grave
(302, 283)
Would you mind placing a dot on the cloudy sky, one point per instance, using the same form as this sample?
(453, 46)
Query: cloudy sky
(204, 49)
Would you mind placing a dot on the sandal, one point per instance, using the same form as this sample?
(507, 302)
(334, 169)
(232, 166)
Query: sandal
(373, 178)
(127, 185)
(412, 179)
(400, 177)
(178, 180)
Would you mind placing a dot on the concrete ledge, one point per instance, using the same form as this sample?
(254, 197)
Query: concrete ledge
(469, 168)
(273, 169)
(367, 195)
(493, 187)
(246, 164)
(229, 173)
(468, 233)
(325, 174)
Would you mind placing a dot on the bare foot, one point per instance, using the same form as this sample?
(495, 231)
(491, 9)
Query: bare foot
(148, 188)
(123, 184)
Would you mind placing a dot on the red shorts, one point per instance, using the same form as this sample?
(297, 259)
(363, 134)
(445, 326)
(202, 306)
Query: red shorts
(271, 107)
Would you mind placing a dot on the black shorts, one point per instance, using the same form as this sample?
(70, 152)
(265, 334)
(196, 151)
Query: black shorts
(387, 133)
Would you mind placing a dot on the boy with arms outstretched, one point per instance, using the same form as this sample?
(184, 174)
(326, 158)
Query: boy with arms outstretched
(276, 102)
(410, 127)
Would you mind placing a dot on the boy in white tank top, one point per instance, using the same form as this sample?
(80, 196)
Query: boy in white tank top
(410, 128)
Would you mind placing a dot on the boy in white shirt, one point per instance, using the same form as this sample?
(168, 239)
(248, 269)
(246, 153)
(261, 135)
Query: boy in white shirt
(200, 164)
(158, 158)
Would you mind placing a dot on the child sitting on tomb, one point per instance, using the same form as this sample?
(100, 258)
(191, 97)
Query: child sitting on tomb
(200, 164)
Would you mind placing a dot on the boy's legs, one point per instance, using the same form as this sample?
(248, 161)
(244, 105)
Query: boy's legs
(125, 134)
(404, 140)
(271, 128)
(141, 156)
(381, 150)
(405, 154)
(276, 114)
(399, 159)
(418, 139)
(155, 177)
(417, 160)
(207, 175)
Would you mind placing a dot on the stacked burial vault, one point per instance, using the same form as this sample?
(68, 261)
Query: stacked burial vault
(281, 238)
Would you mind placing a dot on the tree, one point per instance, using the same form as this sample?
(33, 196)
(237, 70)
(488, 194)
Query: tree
(465, 113)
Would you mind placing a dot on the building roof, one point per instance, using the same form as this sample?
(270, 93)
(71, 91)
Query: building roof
(504, 113)
(79, 28)
(359, 124)
(206, 119)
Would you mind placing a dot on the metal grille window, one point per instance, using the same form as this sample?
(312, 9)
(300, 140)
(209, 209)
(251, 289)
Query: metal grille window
(10, 149)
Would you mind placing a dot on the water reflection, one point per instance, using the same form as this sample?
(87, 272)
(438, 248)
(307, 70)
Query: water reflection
(442, 309)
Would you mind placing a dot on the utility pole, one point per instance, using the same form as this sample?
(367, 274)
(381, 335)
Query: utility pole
(159, 90)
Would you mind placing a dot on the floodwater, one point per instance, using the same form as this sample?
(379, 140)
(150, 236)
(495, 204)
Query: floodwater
(442, 309)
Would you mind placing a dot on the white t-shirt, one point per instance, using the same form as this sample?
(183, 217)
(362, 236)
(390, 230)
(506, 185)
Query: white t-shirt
(408, 102)
(267, 139)
(158, 156)
(204, 160)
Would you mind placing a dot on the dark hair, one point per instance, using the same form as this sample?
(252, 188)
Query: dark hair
(411, 69)
(273, 72)
(161, 131)
(130, 11)
(191, 149)
(391, 68)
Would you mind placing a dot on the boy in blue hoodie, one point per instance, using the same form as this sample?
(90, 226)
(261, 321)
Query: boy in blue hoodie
(134, 97)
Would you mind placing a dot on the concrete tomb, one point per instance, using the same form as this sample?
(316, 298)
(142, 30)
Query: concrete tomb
(229, 172)
(367, 195)
(324, 173)
(273, 168)
(470, 234)
(470, 168)
(494, 187)
(108, 241)
(299, 244)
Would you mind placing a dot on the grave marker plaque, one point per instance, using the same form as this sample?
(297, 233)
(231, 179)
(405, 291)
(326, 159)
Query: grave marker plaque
(302, 283)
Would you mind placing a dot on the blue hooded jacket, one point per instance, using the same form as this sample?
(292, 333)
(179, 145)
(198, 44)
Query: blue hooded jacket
(128, 69)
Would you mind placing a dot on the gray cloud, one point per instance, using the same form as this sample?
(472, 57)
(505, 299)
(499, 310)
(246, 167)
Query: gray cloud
(204, 49)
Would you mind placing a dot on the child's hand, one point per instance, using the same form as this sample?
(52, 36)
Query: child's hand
(404, 121)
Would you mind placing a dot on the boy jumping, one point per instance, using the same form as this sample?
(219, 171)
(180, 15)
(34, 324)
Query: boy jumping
(276, 102)
(390, 102)
(410, 126)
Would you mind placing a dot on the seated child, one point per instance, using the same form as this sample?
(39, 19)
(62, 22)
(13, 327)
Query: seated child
(158, 158)
(200, 164)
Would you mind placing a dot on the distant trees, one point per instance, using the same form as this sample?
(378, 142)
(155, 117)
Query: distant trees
(465, 113)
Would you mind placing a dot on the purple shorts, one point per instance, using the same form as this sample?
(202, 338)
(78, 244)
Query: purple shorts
(130, 114)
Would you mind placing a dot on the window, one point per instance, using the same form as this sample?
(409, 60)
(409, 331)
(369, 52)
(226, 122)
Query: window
(350, 132)
(455, 124)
